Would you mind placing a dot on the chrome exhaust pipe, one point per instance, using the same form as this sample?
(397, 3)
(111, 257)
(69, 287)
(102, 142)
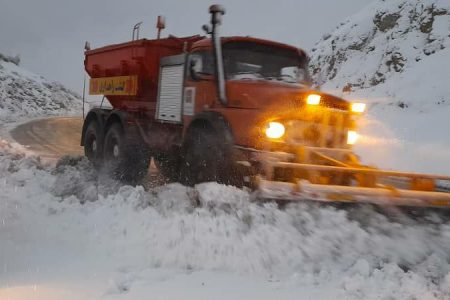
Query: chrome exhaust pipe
(217, 11)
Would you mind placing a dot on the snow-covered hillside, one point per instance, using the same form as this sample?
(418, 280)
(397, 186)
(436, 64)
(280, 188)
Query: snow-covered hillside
(394, 55)
(24, 94)
(394, 52)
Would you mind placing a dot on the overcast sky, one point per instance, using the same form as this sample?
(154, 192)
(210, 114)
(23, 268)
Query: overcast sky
(49, 35)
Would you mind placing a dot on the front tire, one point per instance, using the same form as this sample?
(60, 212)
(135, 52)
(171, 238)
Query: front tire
(125, 160)
(206, 157)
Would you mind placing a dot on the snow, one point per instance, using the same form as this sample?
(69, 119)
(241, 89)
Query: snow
(64, 231)
(24, 94)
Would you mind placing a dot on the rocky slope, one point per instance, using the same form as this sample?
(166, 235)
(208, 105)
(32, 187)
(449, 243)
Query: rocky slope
(24, 94)
(395, 52)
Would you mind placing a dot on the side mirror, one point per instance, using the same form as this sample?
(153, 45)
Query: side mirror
(192, 69)
(197, 69)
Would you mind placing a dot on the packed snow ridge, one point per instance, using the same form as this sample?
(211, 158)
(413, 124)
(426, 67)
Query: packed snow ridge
(24, 94)
(395, 52)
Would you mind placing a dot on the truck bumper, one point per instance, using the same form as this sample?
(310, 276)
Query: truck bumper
(331, 179)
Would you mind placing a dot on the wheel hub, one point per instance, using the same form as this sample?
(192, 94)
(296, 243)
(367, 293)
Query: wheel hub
(116, 151)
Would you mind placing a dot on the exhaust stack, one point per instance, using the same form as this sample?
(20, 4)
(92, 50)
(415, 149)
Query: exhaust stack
(217, 11)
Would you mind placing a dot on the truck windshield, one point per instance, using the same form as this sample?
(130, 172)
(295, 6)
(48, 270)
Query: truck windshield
(247, 60)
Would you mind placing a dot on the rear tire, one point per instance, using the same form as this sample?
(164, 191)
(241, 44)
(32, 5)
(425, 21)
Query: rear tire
(125, 160)
(92, 142)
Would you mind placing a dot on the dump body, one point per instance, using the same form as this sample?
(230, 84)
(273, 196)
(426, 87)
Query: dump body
(139, 59)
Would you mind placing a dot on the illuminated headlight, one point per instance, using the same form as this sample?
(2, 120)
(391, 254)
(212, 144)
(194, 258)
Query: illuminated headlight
(358, 107)
(313, 99)
(352, 137)
(275, 130)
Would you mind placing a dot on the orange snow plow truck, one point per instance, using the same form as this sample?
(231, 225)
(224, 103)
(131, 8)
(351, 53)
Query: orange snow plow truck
(236, 110)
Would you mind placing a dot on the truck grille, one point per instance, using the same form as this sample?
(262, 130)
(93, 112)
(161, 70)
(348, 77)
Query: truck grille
(325, 130)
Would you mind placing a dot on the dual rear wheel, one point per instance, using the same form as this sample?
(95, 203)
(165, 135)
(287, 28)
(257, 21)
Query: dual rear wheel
(93, 143)
(123, 158)
(205, 155)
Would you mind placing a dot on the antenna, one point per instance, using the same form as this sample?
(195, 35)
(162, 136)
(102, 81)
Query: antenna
(84, 92)
(136, 31)
(87, 46)
(160, 24)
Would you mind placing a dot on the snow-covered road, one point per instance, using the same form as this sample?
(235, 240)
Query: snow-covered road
(50, 138)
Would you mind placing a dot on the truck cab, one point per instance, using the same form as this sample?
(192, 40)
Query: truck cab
(265, 82)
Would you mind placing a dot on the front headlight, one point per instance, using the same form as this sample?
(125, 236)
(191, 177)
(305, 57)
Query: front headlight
(358, 107)
(352, 137)
(275, 130)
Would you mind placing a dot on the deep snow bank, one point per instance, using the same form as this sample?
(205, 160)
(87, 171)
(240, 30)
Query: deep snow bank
(67, 215)
(24, 94)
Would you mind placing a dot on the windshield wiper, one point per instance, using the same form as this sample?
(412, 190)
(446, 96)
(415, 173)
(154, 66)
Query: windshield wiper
(259, 75)
(284, 78)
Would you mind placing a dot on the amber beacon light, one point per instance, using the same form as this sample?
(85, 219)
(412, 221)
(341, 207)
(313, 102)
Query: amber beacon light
(313, 99)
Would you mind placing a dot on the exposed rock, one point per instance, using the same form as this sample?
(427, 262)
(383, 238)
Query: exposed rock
(427, 20)
(385, 22)
(396, 61)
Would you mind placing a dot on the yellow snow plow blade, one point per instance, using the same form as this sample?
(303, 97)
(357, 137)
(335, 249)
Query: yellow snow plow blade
(363, 185)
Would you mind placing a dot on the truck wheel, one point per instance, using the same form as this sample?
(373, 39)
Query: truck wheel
(125, 160)
(93, 144)
(206, 157)
(168, 165)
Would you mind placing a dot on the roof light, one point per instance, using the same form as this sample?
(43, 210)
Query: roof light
(313, 99)
(358, 107)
